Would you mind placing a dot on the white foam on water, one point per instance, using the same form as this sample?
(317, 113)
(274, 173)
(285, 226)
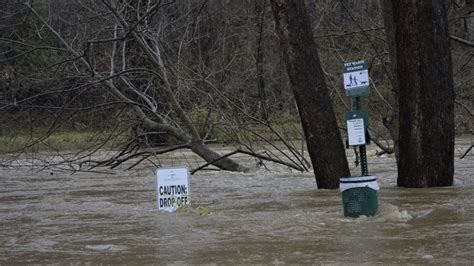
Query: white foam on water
(391, 213)
(428, 257)
(106, 247)
(458, 182)
(423, 213)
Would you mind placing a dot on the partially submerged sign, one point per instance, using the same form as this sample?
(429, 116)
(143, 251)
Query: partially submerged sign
(356, 78)
(172, 186)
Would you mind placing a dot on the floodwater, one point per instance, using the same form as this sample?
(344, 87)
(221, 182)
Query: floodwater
(270, 217)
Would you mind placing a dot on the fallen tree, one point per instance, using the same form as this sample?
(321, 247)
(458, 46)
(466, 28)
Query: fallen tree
(179, 125)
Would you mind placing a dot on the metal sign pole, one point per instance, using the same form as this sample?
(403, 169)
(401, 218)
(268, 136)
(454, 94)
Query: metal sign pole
(357, 106)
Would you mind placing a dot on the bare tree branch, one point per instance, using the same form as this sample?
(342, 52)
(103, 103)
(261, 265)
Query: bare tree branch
(291, 165)
(461, 40)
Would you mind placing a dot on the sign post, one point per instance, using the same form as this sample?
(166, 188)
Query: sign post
(172, 187)
(359, 193)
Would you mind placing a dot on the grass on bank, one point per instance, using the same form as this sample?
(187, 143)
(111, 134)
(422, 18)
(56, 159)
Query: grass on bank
(86, 139)
(61, 140)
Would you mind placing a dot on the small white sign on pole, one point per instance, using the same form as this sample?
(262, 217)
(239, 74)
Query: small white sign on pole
(356, 79)
(356, 131)
(172, 186)
(356, 75)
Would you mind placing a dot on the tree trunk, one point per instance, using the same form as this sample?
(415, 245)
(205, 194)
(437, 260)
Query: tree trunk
(426, 93)
(392, 122)
(210, 155)
(196, 145)
(310, 6)
(259, 64)
(309, 88)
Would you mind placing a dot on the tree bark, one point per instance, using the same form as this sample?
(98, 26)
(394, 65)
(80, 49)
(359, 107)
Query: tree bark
(309, 88)
(426, 93)
(392, 123)
(210, 155)
(259, 53)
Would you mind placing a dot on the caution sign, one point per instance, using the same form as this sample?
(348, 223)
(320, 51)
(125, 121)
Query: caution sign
(172, 186)
(356, 78)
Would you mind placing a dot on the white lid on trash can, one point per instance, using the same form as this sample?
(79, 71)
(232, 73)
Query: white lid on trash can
(346, 183)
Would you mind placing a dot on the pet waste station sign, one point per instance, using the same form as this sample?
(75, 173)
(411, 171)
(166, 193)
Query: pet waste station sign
(172, 186)
(359, 193)
(356, 78)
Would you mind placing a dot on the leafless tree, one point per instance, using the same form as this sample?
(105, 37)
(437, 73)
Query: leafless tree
(147, 60)
(426, 97)
(311, 94)
(223, 66)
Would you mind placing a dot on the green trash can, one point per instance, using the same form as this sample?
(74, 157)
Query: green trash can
(359, 195)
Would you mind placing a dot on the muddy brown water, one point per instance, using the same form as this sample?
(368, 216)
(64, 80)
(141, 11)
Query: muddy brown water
(269, 217)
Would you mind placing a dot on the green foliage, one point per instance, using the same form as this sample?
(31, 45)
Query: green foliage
(194, 208)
